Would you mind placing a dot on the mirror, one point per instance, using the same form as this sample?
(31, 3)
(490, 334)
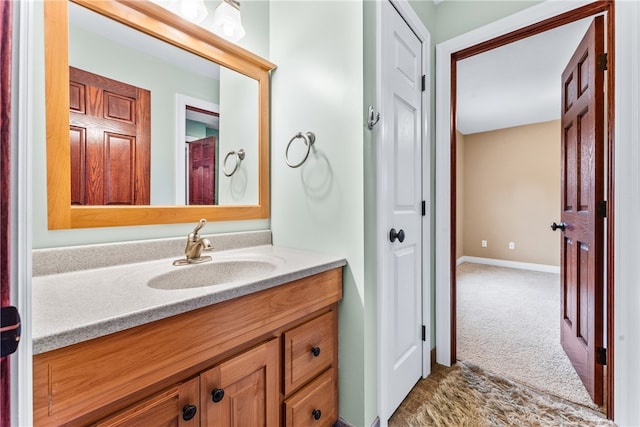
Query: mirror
(233, 108)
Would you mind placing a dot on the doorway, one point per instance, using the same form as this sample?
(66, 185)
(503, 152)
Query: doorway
(520, 27)
(507, 195)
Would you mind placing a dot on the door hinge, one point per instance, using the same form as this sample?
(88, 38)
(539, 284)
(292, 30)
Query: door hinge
(424, 333)
(601, 62)
(601, 209)
(601, 356)
(424, 208)
(424, 82)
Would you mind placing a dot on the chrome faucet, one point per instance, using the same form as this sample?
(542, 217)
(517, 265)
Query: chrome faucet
(195, 246)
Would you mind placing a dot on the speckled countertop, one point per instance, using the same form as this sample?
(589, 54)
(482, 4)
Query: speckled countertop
(82, 304)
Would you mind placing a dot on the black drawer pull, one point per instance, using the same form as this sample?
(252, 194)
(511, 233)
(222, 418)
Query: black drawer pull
(188, 412)
(316, 414)
(315, 351)
(217, 394)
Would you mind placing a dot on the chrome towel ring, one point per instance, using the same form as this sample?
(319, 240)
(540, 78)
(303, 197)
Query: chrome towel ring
(309, 138)
(239, 158)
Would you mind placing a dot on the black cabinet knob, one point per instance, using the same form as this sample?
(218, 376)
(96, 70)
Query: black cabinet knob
(393, 235)
(188, 412)
(217, 394)
(560, 226)
(315, 351)
(317, 413)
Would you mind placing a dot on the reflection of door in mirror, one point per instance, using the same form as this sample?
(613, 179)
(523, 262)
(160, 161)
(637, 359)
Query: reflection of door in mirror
(199, 135)
(202, 171)
(109, 141)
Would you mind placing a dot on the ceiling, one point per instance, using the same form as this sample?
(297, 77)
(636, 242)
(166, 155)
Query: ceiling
(518, 83)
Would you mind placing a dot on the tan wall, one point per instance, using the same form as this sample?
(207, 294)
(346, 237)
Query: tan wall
(512, 193)
(459, 194)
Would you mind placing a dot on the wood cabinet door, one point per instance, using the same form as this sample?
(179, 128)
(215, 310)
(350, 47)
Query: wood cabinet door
(174, 407)
(243, 391)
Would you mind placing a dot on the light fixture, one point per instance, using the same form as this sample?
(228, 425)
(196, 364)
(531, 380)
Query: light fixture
(194, 10)
(227, 21)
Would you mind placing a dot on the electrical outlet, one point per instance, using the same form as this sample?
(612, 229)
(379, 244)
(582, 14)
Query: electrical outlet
(512, 245)
(484, 243)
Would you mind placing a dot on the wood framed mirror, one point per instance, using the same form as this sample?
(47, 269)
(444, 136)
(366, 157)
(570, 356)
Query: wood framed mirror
(161, 24)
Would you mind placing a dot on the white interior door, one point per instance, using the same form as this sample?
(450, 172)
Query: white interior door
(400, 193)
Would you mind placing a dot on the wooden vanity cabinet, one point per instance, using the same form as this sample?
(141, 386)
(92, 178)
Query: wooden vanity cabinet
(249, 361)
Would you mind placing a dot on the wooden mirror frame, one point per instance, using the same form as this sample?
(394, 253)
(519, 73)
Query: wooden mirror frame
(166, 26)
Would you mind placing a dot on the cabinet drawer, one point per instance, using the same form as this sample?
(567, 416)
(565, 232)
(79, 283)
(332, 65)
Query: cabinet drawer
(176, 406)
(314, 405)
(308, 350)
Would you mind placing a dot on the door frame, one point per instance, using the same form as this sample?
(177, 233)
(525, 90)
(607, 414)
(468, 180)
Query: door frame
(534, 20)
(180, 164)
(417, 26)
(23, 101)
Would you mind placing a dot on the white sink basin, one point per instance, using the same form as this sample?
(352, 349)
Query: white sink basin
(212, 273)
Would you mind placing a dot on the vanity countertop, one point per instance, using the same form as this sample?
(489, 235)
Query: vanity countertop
(76, 306)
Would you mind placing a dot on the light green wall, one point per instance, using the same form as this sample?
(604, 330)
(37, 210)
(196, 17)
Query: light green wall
(370, 269)
(318, 87)
(455, 17)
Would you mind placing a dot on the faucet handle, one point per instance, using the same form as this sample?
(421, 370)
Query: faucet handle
(201, 224)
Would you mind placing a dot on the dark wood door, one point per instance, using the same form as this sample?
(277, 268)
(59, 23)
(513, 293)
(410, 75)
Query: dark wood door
(202, 171)
(582, 193)
(5, 195)
(110, 141)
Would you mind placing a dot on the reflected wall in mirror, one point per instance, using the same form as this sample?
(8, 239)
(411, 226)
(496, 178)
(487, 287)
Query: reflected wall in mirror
(229, 81)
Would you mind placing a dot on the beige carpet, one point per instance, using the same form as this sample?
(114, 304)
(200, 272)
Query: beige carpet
(509, 324)
(466, 395)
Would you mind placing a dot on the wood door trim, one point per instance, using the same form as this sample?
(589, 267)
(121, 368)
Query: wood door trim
(604, 6)
(6, 9)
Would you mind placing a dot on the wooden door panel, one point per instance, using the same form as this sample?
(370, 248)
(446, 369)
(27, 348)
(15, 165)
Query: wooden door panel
(76, 97)
(94, 167)
(120, 175)
(117, 107)
(78, 139)
(582, 190)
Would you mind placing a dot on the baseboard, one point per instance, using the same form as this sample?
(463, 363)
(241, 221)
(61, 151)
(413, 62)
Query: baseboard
(342, 423)
(510, 264)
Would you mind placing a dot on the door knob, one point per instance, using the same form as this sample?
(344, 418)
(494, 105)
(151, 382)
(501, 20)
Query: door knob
(560, 226)
(393, 235)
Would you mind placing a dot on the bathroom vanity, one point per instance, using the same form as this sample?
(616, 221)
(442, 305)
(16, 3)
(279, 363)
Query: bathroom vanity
(148, 343)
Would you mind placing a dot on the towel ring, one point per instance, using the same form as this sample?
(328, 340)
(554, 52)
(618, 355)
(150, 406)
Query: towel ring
(239, 158)
(309, 138)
